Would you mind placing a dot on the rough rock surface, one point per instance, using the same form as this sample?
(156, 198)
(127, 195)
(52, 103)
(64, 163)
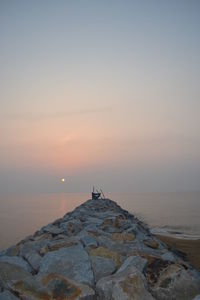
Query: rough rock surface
(98, 251)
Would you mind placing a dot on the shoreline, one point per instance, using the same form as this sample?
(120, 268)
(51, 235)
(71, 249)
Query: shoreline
(189, 247)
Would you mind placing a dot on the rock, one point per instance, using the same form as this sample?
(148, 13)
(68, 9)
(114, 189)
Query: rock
(58, 222)
(93, 220)
(59, 237)
(52, 286)
(40, 236)
(60, 287)
(105, 214)
(34, 259)
(6, 295)
(196, 298)
(105, 252)
(154, 269)
(58, 244)
(151, 243)
(52, 229)
(21, 283)
(44, 250)
(71, 227)
(123, 249)
(148, 256)
(133, 261)
(30, 290)
(166, 278)
(168, 256)
(72, 262)
(106, 241)
(112, 225)
(88, 240)
(11, 273)
(15, 260)
(92, 228)
(3, 252)
(102, 266)
(30, 246)
(123, 237)
(128, 284)
(12, 251)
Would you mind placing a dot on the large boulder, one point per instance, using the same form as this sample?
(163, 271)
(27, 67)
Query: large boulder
(15, 260)
(48, 287)
(102, 266)
(175, 280)
(34, 259)
(128, 283)
(71, 227)
(107, 253)
(6, 295)
(54, 230)
(72, 262)
(20, 282)
(134, 261)
(60, 287)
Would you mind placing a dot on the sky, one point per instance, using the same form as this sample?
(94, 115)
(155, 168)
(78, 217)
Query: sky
(103, 93)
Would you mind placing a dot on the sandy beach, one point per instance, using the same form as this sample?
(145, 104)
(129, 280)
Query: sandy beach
(191, 248)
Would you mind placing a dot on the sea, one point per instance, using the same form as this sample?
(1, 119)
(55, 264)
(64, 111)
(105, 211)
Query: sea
(175, 213)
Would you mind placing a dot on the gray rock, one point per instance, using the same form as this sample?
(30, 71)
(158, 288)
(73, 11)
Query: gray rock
(106, 241)
(16, 260)
(91, 228)
(6, 295)
(12, 251)
(128, 284)
(56, 244)
(175, 280)
(87, 240)
(123, 249)
(21, 283)
(53, 229)
(61, 287)
(196, 298)
(140, 248)
(11, 273)
(93, 220)
(41, 236)
(2, 252)
(102, 267)
(30, 246)
(106, 214)
(59, 236)
(112, 229)
(152, 243)
(168, 256)
(71, 227)
(34, 260)
(72, 262)
(133, 261)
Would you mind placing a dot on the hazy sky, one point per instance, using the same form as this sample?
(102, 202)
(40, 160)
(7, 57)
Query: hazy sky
(101, 92)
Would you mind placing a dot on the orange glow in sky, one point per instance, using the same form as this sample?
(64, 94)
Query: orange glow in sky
(99, 89)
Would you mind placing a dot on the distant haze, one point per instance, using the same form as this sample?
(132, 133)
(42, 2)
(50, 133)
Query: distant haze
(99, 92)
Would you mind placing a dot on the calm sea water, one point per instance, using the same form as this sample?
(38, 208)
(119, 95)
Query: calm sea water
(171, 212)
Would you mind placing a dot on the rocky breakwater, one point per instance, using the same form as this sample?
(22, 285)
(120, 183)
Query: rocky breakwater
(98, 251)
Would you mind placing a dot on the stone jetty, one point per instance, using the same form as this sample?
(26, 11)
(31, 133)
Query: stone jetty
(98, 251)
